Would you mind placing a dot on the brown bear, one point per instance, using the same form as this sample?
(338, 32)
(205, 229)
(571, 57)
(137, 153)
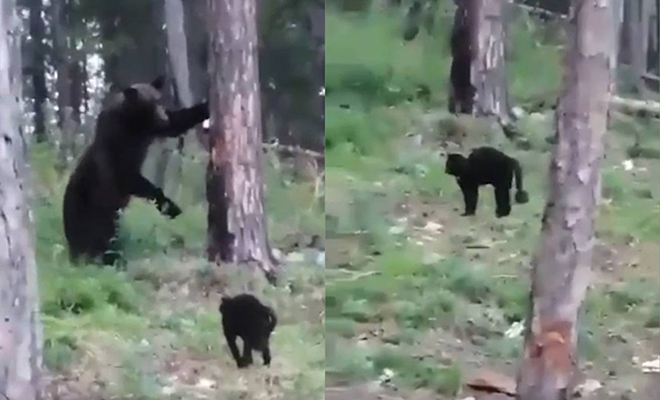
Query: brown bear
(108, 173)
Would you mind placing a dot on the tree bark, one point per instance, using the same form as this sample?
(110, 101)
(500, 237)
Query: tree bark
(195, 24)
(636, 41)
(489, 77)
(38, 70)
(236, 220)
(562, 264)
(144, 57)
(617, 18)
(64, 59)
(177, 51)
(463, 51)
(20, 329)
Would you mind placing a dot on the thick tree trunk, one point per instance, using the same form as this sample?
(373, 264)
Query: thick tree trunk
(37, 34)
(489, 76)
(20, 329)
(562, 264)
(236, 220)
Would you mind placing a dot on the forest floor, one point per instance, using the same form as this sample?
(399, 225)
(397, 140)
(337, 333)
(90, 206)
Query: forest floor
(152, 330)
(419, 298)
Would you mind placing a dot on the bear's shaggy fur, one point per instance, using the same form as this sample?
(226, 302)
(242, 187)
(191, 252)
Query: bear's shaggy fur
(108, 173)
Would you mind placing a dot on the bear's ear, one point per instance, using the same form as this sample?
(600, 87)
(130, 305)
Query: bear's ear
(159, 83)
(131, 94)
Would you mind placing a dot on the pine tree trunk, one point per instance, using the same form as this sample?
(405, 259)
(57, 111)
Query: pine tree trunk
(195, 25)
(20, 329)
(489, 76)
(237, 220)
(177, 51)
(145, 57)
(38, 33)
(78, 85)
(62, 58)
(636, 42)
(463, 49)
(562, 264)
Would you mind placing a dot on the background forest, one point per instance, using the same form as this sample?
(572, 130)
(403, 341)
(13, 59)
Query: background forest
(418, 298)
(152, 330)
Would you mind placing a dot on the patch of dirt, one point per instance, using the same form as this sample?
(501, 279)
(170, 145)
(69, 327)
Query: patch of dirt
(373, 391)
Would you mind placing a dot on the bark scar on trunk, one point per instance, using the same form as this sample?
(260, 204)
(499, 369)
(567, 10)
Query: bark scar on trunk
(550, 350)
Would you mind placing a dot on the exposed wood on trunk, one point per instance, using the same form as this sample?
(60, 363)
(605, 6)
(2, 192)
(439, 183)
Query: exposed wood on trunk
(489, 72)
(20, 329)
(562, 263)
(235, 187)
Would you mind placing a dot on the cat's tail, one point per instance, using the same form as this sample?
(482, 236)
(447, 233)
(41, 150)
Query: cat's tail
(521, 195)
(272, 318)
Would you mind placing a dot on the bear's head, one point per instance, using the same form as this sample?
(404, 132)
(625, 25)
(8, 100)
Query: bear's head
(139, 105)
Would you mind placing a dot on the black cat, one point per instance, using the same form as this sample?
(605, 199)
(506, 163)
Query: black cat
(487, 166)
(244, 316)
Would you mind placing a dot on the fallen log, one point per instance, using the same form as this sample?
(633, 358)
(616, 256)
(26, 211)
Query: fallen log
(636, 107)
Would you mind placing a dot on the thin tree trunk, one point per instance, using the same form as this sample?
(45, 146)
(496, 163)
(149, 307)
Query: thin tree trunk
(195, 22)
(562, 264)
(464, 50)
(636, 42)
(617, 18)
(78, 87)
(20, 329)
(489, 76)
(38, 33)
(235, 187)
(144, 58)
(178, 56)
(62, 58)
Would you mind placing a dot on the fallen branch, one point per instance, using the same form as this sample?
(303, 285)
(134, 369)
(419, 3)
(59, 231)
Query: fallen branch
(540, 11)
(293, 149)
(356, 276)
(633, 106)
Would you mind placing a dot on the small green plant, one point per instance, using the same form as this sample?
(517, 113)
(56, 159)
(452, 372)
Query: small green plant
(415, 373)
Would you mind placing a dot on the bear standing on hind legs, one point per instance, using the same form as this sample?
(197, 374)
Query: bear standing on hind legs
(487, 166)
(108, 173)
